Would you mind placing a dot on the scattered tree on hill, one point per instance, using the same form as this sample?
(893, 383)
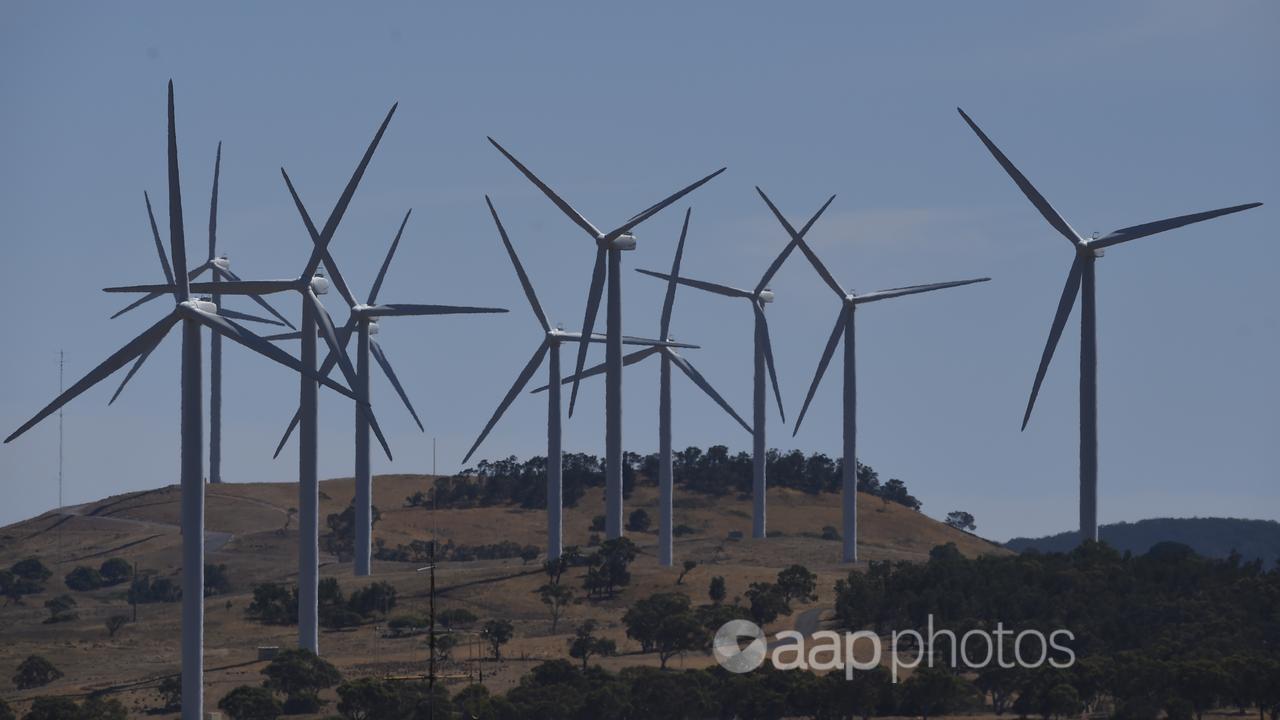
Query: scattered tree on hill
(250, 703)
(83, 579)
(170, 690)
(584, 643)
(797, 583)
(300, 675)
(638, 520)
(767, 602)
(456, 618)
(115, 623)
(936, 691)
(378, 597)
(53, 708)
(716, 590)
(115, 571)
(389, 699)
(61, 609)
(151, 589)
(555, 597)
(274, 604)
(685, 569)
(528, 554)
(445, 644)
(665, 623)
(497, 633)
(216, 580)
(607, 568)
(31, 569)
(100, 707)
(342, 530)
(35, 672)
(961, 520)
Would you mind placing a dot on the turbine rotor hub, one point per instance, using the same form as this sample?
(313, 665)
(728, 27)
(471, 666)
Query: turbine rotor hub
(319, 284)
(222, 262)
(625, 241)
(203, 304)
(765, 295)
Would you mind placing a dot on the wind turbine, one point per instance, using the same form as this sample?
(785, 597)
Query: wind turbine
(315, 320)
(1081, 277)
(845, 329)
(669, 357)
(759, 296)
(548, 348)
(192, 315)
(363, 323)
(609, 248)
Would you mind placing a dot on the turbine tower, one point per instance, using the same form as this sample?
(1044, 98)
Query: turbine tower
(669, 357)
(1080, 280)
(315, 320)
(549, 348)
(219, 267)
(609, 248)
(759, 296)
(192, 315)
(363, 324)
(845, 329)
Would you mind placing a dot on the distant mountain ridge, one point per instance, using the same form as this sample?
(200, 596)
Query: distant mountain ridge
(1211, 537)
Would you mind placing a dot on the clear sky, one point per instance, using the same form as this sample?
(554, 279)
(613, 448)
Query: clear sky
(1119, 112)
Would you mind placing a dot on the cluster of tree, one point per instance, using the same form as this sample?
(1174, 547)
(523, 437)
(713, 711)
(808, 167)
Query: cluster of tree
(276, 604)
(25, 577)
(608, 568)
(340, 540)
(153, 589)
(95, 707)
(62, 608)
(1210, 537)
(111, 572)
(421, 551)
(298, 675)
(715, 471)
(1167, 632)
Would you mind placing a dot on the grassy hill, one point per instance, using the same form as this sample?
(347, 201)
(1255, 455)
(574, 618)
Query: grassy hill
(251, 532)
(1210, 537)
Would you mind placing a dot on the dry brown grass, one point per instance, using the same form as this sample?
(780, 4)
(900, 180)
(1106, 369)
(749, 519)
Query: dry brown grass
(139, 527)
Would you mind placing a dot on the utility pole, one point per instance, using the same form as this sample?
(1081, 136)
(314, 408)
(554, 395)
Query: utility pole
(61, 363)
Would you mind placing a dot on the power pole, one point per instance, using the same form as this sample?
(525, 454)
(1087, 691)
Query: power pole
(61, 362)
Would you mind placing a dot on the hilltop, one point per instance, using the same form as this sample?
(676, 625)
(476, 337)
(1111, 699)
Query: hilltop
(250, 529)
(1210, 537)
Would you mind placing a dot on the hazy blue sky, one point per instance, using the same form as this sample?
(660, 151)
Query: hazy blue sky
(1120, 113)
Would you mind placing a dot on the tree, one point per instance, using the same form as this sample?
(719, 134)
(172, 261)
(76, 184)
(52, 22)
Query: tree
(677, 634)
(797, 583)
(584, 643)
(250, 703)
(6, 712)
(35, 672)
(378, 597)
(52, 708)
(61, 609)
(497, 633)
(961, 520)
(456, 618)
(83, 579)
(31, 569)
(767, 602)
(555, 597)
(444, 645)
(1061, 701)
(115, 571)
(528, 554)
(638, 520)
(100, 707)
(115, 623)
(385, 699)
(216, 580)
(645, 615)
(300, 675)
(1000, 684)
(934, 691)
(170, 690)
(608, 567)
(716, 591)
(274, 604)
(685, 569)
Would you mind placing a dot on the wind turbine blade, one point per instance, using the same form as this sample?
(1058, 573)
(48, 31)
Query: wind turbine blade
(1065, 303)
(665, 325)
(226, 273)
(628, 359)
(791, 245)
(521, 380)
(294, 335)
(649, 342)
(230, 330)
(177, 239)
(827, 352)
(344, 337)
(589, 320)
(226, 287)
(155, 234)
(912, 290)
(336, 349)
(117, 360)
(700, 284)
(804, 247)
(1133, 233)
(320, 250)
(658, 207)
(330, 225)
(144, 299)
(1025, 185)
(246, 317)
(213, 204)
(768, 359)
(515, 260)
(386, 262)
(137, 365)
(297, 418)
(404, 309)
(687, 368)
(376, 350)
(565, 208)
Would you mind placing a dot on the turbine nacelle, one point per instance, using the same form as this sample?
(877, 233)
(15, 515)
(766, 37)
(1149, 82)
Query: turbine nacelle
(625, 241)
(765, 296)
(319, 284)
(221, 262)
(373, 327)
(203, 304)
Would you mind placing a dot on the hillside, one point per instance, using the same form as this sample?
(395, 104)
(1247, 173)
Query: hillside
(250, 531)
(1211, 537)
